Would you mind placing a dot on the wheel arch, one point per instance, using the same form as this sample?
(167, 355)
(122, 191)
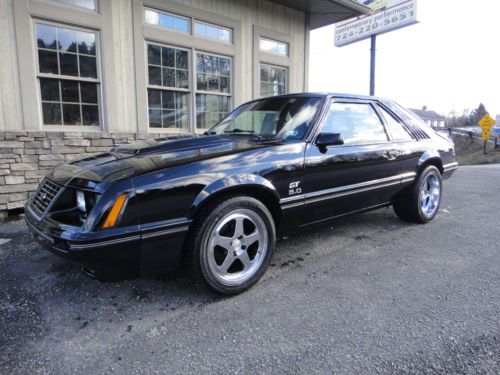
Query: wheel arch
(430, 158)
(250, 185)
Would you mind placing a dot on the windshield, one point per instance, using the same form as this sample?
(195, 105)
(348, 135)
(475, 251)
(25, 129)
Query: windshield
(283, 118)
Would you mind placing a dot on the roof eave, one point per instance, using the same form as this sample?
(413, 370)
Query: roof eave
(326, 12)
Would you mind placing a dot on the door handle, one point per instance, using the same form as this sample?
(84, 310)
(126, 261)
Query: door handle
(392, 155)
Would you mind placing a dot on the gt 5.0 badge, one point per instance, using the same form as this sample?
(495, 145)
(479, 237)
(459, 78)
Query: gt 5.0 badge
(294, 188)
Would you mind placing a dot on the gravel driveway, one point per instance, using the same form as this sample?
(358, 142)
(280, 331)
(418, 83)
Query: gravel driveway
(367, 294)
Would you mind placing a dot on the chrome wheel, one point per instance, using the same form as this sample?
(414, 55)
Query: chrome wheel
(237, 247)
(430, 195)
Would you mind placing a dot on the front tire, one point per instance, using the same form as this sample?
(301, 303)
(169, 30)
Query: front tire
(231, 244)
(420, 203)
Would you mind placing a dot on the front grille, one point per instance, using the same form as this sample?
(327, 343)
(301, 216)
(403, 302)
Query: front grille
(44, 196)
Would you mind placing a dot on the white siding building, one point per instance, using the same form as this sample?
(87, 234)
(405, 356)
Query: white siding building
(79, 76)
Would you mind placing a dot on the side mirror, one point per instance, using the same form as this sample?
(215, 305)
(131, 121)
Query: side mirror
(329, 139)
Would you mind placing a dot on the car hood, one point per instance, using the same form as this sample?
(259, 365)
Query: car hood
(149, 155)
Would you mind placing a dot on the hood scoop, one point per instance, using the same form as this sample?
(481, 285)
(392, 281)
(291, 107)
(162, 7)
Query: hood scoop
(149, 145)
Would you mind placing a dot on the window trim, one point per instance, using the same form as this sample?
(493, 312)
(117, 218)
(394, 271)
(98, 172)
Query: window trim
(145, 33)
(25, 14)
(192, 89)
(261, 57)
(39, 75)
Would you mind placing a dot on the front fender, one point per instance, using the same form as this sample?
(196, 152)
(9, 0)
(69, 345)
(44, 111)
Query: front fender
(231, 182)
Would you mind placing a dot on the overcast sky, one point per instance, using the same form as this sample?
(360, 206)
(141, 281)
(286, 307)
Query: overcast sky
(449, 61)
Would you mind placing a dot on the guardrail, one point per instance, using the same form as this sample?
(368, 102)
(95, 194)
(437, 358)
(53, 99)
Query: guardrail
(475, 133)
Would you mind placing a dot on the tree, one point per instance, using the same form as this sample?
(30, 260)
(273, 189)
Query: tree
(478, 114)
(467, 118)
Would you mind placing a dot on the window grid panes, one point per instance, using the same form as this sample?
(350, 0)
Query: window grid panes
(211, 31)
(168, 91)
(64, 51)
(273, 46)
(272, 80)
(68, 78)
(168, 67)
(167, 20)
(87, 4)
(168, 109)
(213, 87)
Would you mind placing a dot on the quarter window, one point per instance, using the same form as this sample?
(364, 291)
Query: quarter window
(68, 75)
(395, 127)
(272, 80)
(357, 123)
(213, 89)
(168, 89)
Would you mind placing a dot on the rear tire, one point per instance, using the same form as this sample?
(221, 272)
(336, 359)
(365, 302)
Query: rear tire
(231, 244)
(420, 202)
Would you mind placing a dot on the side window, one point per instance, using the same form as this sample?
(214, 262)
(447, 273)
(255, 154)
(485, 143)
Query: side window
(358, 123)
(395, 127)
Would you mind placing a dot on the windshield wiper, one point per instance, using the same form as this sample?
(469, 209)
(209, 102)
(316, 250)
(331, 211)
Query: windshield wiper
(237, 130)
(241, 131)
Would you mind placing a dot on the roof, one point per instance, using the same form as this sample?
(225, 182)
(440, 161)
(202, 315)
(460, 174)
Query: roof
(326, 12)
(322, 95)
(428, 115)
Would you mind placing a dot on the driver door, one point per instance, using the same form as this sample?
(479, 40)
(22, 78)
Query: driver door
(355, 175)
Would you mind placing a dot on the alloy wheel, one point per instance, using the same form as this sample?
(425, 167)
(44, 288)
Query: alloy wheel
(237, 247)
(430, 195)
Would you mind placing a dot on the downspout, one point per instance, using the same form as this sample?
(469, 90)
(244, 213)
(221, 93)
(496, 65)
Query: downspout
(307, 38)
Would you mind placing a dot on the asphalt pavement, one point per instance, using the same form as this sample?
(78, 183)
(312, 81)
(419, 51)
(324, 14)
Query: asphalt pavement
(366, 294)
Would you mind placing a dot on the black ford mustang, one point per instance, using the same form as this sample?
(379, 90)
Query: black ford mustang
(217, 201)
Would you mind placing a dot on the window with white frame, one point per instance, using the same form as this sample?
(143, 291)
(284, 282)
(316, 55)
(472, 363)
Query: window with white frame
(167, 20)
(68, 75)
(273, 46)
(211, 31)
(87, 4)
(273, 80)
(213, 89)
(168, 87)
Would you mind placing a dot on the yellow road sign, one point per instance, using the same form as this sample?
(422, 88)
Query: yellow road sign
(486, 134)
(486, 122)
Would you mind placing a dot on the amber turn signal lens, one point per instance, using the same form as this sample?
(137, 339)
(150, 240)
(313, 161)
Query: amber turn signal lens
(115, 212)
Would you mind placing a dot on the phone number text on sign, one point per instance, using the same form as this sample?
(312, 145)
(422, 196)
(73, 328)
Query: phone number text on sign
(398, 16)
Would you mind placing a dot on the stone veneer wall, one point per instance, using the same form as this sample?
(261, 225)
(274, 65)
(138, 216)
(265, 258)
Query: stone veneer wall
(26, 157)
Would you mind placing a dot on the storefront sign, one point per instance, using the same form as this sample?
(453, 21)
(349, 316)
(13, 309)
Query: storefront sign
(387, 15)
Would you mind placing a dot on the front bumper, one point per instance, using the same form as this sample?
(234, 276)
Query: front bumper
(114, 254)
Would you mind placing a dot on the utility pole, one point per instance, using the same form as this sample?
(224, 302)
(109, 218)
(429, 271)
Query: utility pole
(373, 52)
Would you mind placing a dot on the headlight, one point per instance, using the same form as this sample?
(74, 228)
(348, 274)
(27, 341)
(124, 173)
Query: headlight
(80, 201)
(85, 200)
